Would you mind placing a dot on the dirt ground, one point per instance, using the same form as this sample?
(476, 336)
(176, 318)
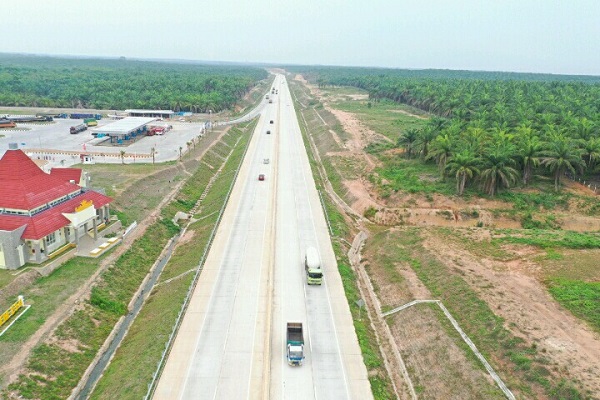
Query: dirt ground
(512, 288)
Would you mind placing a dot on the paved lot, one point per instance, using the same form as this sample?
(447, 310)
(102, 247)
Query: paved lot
(54, 137)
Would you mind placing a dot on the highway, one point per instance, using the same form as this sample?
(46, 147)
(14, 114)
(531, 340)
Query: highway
(231, 344)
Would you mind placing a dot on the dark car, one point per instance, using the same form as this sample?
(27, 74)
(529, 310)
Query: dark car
(268, 132)
(271, 121)
(261, 177)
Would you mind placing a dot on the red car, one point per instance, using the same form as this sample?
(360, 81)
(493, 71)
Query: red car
(261, 177)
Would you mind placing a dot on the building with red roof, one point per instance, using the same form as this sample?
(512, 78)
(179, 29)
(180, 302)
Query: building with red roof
(40, 213)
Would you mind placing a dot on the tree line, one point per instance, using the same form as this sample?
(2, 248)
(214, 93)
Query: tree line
(495, 129)
(117, 84)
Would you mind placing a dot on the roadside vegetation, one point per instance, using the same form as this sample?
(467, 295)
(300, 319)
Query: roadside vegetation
(56, 366)
(447, 152)
(154, 324)
(118, 84)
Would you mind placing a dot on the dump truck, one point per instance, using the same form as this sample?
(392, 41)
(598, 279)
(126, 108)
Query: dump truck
(295, 343)
(78, 128)
(312, 266)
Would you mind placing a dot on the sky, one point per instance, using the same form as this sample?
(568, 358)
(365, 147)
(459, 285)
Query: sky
(548, 36)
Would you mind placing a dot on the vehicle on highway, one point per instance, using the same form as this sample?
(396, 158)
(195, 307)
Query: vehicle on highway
(266, 161)
(261, 177)
(268, 132)
(295, 343)
(312, 266)
(78, 128)
(271, 121)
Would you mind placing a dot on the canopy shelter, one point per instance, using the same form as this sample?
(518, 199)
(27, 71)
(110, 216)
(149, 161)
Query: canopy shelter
(124, 129)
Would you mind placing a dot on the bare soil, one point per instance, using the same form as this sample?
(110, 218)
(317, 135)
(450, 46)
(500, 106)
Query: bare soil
(513, 287)
(512, 290)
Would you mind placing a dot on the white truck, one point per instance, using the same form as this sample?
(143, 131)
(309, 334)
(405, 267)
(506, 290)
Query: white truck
(312, 266)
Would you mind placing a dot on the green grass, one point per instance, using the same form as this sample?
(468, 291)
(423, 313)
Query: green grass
(522, 367)
(45, 296)
(544, 238)
(410, 176)
(581, 298)
(152, 327)
(61, 370)
(383, 117)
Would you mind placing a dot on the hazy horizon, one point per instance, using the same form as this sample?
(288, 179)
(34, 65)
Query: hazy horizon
(532, 36)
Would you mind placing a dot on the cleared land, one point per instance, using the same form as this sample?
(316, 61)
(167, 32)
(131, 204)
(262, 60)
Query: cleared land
(520, 294)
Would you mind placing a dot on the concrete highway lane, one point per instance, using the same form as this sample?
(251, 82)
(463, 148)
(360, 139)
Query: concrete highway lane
(231, 344)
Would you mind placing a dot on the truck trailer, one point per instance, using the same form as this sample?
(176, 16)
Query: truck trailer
(312, 266)
(78, 128)
(85, 115)
(295, 343)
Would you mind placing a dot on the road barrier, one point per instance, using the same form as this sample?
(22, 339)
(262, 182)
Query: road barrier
(12, 310)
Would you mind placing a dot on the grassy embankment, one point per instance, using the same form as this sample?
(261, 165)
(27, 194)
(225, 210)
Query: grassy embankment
(54, 369)
(46, 294)
(153, 325)
(412, 176)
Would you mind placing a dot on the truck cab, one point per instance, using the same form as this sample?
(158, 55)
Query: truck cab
(312, 266)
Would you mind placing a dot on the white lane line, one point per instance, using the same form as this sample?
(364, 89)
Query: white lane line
(337, 343)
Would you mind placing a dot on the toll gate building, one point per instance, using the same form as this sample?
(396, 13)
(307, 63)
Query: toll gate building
(123, 130)
(42, 214)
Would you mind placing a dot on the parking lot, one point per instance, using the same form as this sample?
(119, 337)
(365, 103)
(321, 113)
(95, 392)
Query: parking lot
(54, 143)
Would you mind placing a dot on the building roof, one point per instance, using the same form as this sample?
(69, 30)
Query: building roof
(123, 126)
(133, 111)
(48, 221)
(67, 174)
(25, 186)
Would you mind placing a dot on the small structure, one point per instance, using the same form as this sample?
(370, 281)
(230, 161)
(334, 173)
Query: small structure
(123, 130)
(150, 113)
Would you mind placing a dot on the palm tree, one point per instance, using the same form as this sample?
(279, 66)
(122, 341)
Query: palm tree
(122, 154)
(591, 151)
(408, 140)
(561, 155)
(425, 137)
(497, 169)
(464, 166)
(529, 152)
(440, 151)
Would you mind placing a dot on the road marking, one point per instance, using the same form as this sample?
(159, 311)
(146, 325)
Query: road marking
(337, 343)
